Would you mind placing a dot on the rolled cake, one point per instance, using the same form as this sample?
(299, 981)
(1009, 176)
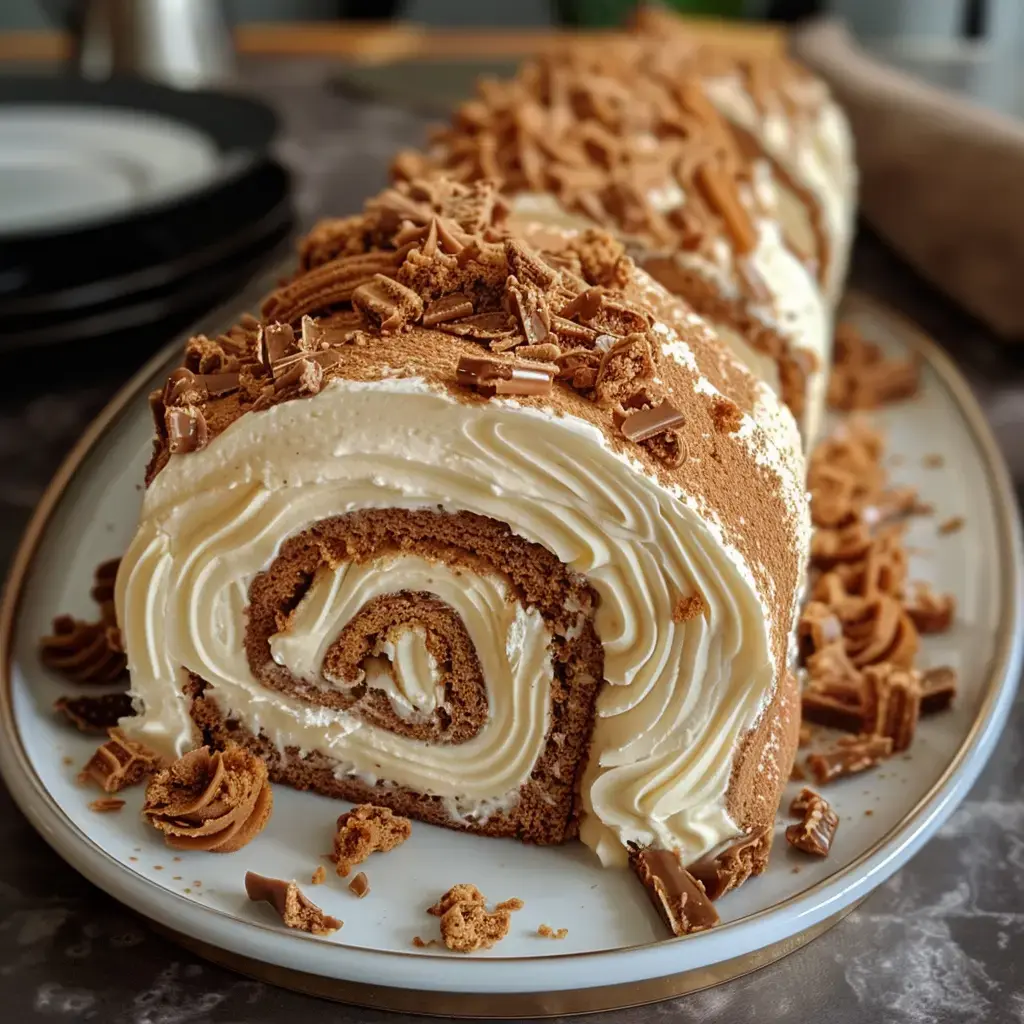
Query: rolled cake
(623, 135)
(496, 537)
(778, 110)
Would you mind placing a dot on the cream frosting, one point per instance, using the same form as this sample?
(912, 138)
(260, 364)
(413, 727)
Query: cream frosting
(678, 697)
(816, 151)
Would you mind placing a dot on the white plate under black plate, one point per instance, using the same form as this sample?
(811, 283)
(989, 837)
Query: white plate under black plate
(616, 952)
(105, 181)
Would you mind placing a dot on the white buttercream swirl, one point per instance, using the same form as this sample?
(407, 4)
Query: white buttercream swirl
(678, 697)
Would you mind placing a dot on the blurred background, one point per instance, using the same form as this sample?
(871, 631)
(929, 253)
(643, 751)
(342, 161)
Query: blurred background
(158, 157)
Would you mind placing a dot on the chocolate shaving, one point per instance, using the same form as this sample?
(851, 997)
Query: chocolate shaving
(481, 326)
(678, 897)
(303, 377)
(449, 307)
(850, 758)
(106, 805)
(647, 423)
(294, 908)
(815, 834)
(496, 377)
(729, 869)
(95, 714)
(939, 687)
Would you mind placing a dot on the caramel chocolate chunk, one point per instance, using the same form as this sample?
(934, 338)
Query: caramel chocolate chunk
(186, 430)
(364, 830)
(678, 897)
(813, 835)
(822, 709)
(850, 758)
(892, 703)
(802, 801)
(119, 763)
(501, 377)
(359, 886)
(292, 906)
(448, 307)
(388, 303)
(648, 423)
(939, 687)
(276, 342)
(724, 871)
(95, 714)
(217, 802)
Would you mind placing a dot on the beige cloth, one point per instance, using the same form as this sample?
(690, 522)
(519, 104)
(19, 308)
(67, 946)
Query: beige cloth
(941, 179)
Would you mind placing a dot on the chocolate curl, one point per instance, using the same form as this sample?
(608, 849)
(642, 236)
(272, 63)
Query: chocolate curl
(647, 423)
(493, 377)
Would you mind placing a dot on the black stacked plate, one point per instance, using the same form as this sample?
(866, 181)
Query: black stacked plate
(127, 209)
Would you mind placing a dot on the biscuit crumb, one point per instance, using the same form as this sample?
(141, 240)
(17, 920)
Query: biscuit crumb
(687, 608)
(106, 805)
(466, 924)
(319, 876)
(364, 830)
(933, 461)
(545, 931)
(359, 886)
(951, 525)
(423, 943)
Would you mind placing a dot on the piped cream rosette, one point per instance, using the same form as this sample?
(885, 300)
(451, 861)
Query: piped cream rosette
(490, 608)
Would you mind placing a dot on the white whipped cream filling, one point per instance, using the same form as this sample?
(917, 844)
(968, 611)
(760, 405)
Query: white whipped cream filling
(511, 642)
(679, 696)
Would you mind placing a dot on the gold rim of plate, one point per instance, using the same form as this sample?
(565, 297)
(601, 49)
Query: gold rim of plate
(517, 1004)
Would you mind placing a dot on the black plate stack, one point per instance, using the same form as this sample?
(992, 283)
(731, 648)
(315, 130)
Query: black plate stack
(158, 247)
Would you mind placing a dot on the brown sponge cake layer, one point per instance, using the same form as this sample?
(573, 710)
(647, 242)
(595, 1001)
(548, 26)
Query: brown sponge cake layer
(547, 807)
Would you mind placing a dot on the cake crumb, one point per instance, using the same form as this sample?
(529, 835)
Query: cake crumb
(466, 924)
(545, 931)
(319, 876)
(359, 886)
(294, 909)
(951, 525)
(423, 943)
(364, 830)
(67, 760)
(933, 461)
(106, 805)
(687, 608)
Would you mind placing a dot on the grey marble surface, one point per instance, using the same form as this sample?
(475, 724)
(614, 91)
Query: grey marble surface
(942, 941)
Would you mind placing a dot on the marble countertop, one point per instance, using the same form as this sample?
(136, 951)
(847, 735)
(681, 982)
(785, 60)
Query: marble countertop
(940, 942)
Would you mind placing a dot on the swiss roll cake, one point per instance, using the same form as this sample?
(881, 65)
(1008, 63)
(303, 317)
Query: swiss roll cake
(626, 136)
(492, 533)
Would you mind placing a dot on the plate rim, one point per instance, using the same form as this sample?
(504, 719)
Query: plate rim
(633, 964)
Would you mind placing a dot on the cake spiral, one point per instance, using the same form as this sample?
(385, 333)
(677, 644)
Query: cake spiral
(496, 537)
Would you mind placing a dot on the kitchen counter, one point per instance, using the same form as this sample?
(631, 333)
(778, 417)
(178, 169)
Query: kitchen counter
(940, 942)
